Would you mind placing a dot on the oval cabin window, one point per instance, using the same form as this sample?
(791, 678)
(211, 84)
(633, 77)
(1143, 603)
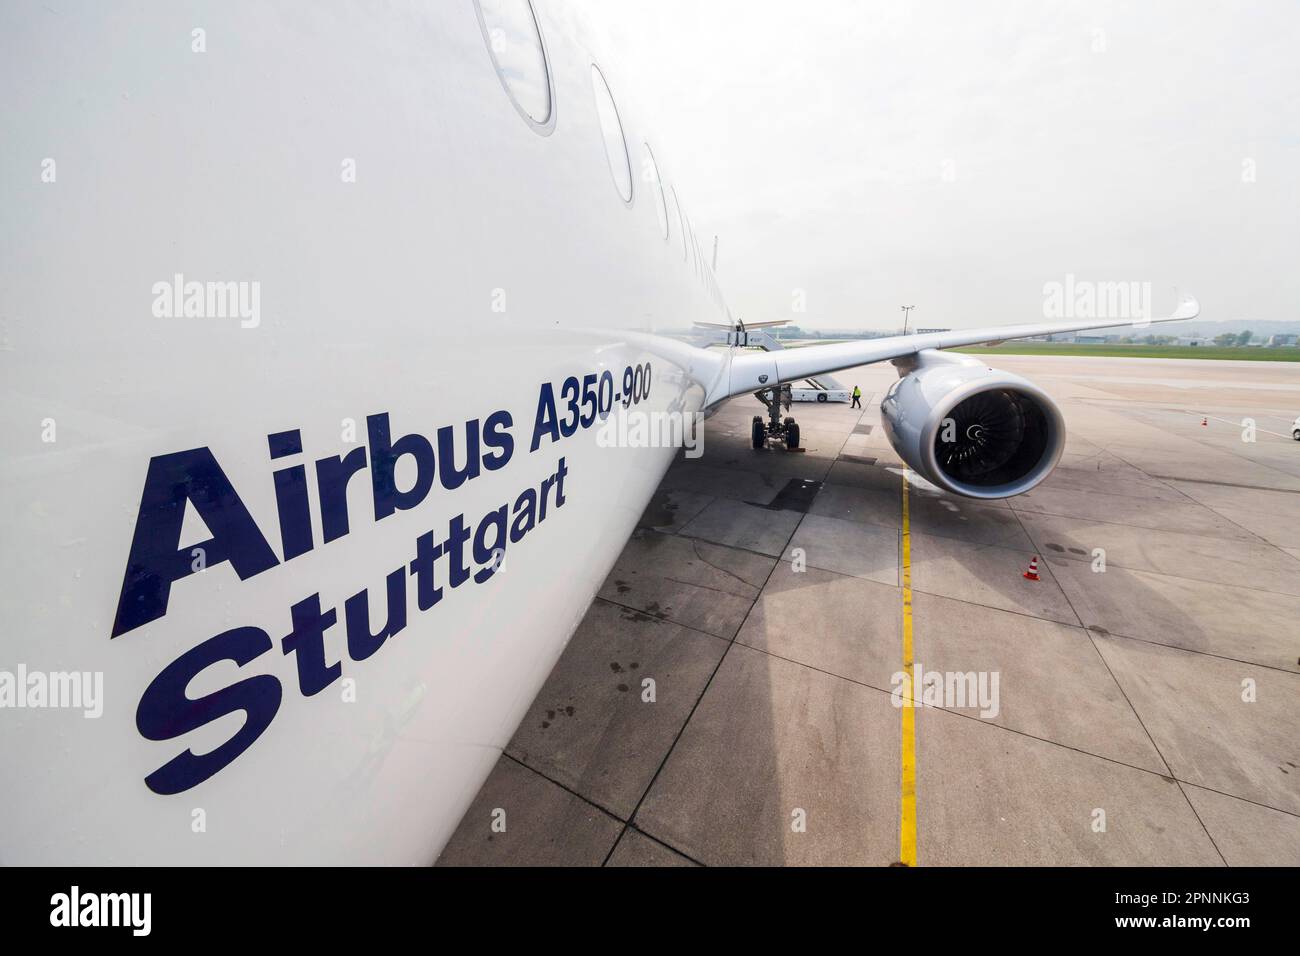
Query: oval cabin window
(612, 130)
(514, 41)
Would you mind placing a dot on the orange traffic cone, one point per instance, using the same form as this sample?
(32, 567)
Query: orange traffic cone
(1032, 573)
(1205, 422)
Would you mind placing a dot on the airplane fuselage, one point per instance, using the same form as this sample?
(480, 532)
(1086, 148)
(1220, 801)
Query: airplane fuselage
(324, 327)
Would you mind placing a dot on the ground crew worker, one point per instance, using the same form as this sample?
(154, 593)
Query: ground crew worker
(857, 397)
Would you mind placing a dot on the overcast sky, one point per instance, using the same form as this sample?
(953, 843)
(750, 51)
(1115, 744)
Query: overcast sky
(957, 155)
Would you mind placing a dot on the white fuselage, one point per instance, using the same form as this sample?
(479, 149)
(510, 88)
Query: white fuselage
(417, 250)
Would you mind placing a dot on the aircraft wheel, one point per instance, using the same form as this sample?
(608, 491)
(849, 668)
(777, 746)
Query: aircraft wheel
(757, 433)
(821, 396)
(792, 436)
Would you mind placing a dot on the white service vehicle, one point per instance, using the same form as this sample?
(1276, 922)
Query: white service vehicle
(813, 390)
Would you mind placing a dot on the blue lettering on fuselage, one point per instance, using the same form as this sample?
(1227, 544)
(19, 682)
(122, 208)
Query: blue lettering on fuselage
(444, 559)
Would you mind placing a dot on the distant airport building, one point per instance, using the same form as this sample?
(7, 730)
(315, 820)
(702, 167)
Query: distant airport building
(1276, 340)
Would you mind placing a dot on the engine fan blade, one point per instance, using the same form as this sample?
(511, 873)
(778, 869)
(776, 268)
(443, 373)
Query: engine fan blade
(987, 430)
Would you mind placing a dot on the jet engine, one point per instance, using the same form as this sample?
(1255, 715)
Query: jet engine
(970, 429)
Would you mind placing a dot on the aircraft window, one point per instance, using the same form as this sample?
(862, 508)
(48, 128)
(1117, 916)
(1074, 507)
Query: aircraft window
(612, 129)
(681, 227)
(651, 175)
(515, 42)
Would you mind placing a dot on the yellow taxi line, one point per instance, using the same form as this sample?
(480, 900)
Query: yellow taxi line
(907, 794)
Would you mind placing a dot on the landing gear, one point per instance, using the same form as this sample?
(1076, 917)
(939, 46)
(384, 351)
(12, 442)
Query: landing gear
(785, 431)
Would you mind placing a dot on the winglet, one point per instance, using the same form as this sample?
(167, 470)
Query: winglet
(1188, 308)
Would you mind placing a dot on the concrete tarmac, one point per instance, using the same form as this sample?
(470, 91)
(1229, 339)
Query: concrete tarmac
(728, 697)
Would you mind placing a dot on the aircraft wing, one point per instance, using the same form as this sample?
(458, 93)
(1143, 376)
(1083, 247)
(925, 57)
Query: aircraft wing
(751, 371)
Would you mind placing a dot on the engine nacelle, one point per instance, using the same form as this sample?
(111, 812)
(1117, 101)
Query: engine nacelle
(970, 429)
